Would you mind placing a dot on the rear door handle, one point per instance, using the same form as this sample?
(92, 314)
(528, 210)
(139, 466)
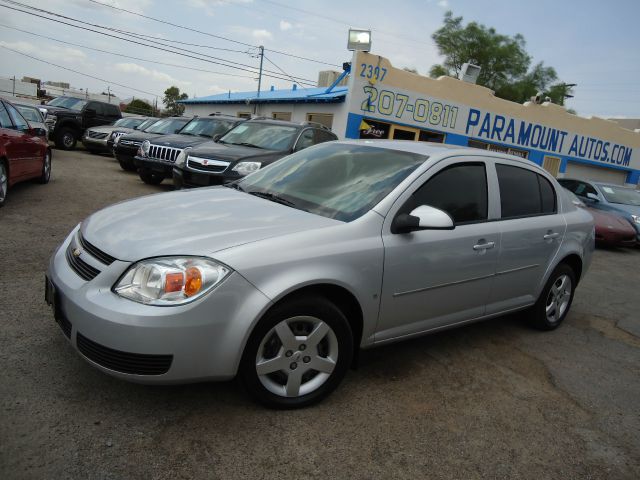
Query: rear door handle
(484, 246)
(551, 236)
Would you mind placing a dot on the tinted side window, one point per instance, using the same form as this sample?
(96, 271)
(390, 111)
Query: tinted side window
(18, 120)
(524, 193)
(113, 111)
(583, 188)
(5, 121)
(324, 136)
(305, 140)
(460, 190)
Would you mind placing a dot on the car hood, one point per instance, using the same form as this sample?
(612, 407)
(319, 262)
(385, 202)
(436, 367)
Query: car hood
(138, 136)
(104, 129)
(632, 209)
(192, 222)
(232, 153)
(177, 140)
(610, 221)
(51, 110)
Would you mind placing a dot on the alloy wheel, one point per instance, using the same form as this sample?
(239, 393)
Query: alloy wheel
(297, 356)
(67, 140)
(4, 182)
(558, 298)
(47, 167)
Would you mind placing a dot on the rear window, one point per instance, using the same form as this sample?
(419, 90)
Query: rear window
(524, 193)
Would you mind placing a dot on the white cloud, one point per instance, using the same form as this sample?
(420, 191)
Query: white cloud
(261, 34)
(284, 25)
(52, 53)
(136, 69)
(443, 3)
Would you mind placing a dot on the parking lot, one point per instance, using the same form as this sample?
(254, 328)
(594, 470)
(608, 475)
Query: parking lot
(490, 400)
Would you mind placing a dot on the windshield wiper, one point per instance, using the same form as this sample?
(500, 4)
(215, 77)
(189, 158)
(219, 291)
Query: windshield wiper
(247, 144)
(273, 197)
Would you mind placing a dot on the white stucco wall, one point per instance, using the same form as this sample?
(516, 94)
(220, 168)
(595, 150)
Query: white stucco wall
(298, 111)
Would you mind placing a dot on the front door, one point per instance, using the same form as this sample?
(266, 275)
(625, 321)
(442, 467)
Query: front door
(434, 278)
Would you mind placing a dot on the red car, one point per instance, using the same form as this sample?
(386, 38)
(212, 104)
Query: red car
(24, 151)
(611, 229)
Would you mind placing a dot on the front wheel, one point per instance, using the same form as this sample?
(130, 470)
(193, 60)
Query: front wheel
(297, 354)
(66, 139)
(555, 300)
(45, 176)
(126, 165)
(150, 178)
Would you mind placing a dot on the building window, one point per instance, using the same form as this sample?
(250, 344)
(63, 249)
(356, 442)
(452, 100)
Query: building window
(325, 119)
(246, 115)
(498, 148)
(430, 136)
(286, 116)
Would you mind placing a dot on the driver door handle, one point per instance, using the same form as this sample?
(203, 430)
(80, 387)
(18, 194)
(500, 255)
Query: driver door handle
(551, 236)
(484, 246)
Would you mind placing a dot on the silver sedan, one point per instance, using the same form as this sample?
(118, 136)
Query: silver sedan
(280, 277)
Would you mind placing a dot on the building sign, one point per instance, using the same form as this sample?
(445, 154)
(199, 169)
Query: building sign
(374, 97)
(373, 129)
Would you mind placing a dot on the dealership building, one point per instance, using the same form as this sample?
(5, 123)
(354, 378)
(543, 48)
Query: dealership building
(380, 101)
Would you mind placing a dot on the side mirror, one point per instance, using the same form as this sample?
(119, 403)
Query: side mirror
(217, 137)
(39, 132)
(593, 196)
(423, 217)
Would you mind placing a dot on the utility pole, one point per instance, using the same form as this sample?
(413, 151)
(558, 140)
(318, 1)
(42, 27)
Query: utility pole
(109, 93)
(14, 86)
(255, 107)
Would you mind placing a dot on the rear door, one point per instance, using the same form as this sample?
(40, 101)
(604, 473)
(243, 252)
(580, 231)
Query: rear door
(434, 278)
(15, 149)
(30, 144)
(531, 230)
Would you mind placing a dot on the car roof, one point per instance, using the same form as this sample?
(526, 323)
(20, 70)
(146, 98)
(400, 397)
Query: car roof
(286, 123)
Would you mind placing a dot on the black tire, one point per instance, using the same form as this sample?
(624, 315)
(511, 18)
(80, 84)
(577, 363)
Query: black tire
(150, 178)
(93, 152)
(127, 165)
(66, 139)
(315, 307)
(547, 313)
(4, 182)
(45, 175)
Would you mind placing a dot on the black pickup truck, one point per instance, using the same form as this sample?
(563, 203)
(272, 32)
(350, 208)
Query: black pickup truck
(67, 118)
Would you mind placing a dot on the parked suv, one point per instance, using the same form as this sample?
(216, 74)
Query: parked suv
(24, 150)
(67, 118)
(622, 201)
(245, 149)
(95, 139)
(280, 278)
(125, 147)
(156, 157)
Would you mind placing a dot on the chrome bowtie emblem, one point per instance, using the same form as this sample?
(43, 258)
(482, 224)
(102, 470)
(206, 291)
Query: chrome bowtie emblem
(205, 162)
(76, 252)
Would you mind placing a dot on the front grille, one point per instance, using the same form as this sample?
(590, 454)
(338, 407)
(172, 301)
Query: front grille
(207, 165)
(82, 268)
(166, 154)
(96, 135)
(95, 252)
(124, 362)
(130, 142)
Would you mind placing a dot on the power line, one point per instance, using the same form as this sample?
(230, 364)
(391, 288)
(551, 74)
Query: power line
(268, 60)
(126, 56)
(212, 35)
(248, 68)
(80, 73)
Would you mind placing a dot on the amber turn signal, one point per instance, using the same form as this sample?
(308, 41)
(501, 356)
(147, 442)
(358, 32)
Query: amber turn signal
(193, 282)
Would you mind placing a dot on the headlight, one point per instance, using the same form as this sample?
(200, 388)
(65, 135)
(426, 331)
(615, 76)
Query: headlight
(168, 281)
(116, 140)
(182, 156)
(245, 168)
(146, 145)
(636, 218)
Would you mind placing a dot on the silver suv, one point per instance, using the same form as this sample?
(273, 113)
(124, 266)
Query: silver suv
(280, 277)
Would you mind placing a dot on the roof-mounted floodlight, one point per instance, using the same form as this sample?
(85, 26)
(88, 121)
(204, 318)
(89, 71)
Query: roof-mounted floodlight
(470, 72)
(359, 40)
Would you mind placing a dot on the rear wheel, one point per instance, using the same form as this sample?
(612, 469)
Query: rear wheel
(297, 354)
(45, 176)
(4, 182)
(66, 139)
(150, 178)
(555, 300)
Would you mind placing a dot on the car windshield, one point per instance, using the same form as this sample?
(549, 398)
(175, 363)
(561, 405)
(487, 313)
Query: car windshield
(622, 195)
(206, 127)
(167, 125)
(128, 122)
(146, 124)
(30, 113)
(261, 135)
(68, 102)
(335, 180)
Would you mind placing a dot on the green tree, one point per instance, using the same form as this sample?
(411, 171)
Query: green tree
(139, 107)
(504, 61)
(171, 97)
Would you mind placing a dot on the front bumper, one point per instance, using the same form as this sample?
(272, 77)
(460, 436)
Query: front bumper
(202, 340)
(187, 178)
(99, 144)
(155, 166)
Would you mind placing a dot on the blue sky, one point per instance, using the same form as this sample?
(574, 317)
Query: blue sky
(591, 43)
